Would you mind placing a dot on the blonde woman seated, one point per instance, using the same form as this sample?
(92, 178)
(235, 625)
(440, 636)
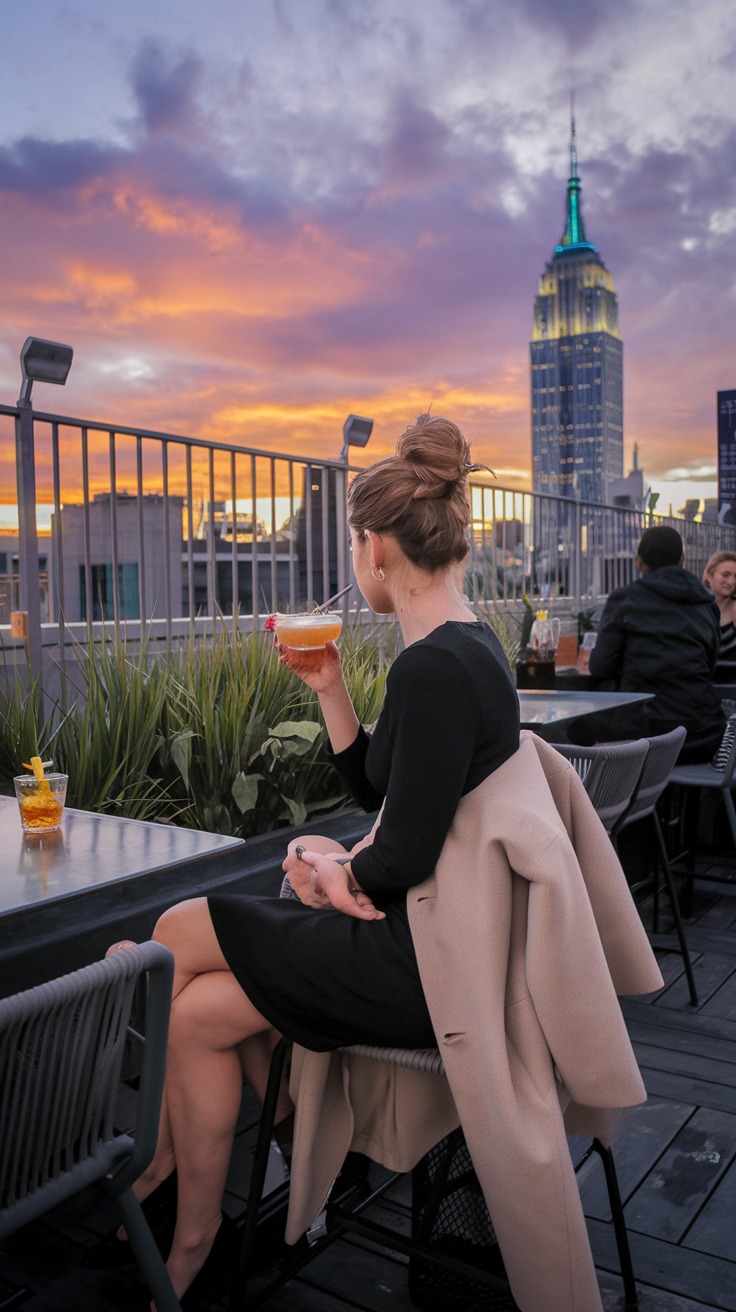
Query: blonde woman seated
(339, 967)
(720, 577)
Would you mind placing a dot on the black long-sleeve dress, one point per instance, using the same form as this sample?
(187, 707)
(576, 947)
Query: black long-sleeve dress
(450, 718)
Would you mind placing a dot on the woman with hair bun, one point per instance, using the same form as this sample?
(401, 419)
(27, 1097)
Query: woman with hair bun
(338, 966)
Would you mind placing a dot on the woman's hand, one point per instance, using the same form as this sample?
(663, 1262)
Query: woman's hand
(115, 947)
(322, 677)
(320, 882)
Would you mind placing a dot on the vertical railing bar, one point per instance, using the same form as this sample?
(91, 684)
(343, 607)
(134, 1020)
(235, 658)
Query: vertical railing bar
(308, 526)
(87, 542)
(254, 551)
(234, 543)
(167, 543)
(274, 562)
(190, 544)
(325, 534)
(484, 548)
(292, 584)
(493, 538)
(504, 550)
(58, 547)
(141, 537)
(211, 554)
(114, 537)
(517, 520)
(341, 531)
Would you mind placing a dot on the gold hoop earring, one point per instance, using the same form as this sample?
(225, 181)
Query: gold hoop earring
(378, 574)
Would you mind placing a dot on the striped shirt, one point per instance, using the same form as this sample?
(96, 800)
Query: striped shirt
(725, 671)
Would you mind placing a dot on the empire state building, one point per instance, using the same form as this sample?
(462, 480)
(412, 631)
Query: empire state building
(576, 366)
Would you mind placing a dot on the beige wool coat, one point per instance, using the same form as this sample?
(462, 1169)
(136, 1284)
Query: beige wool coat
(524, 935)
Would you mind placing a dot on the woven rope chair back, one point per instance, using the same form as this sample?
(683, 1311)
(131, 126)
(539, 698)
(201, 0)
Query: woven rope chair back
(61, 1048)
(610, 774)
(658, 766)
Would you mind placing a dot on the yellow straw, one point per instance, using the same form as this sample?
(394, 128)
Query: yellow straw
(37, 767)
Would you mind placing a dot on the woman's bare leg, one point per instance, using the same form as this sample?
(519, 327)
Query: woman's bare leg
(211, 1017)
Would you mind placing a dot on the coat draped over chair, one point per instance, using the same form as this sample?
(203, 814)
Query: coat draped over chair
(524, 935)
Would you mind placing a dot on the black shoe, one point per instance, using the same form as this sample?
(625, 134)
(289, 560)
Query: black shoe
(217, 1264)
(160, 1209)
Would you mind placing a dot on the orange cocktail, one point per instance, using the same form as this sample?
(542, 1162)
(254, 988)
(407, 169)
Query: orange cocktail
(308, 634)
(41, 803)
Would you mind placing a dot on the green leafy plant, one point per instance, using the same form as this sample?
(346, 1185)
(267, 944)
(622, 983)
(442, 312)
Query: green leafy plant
(220, 736)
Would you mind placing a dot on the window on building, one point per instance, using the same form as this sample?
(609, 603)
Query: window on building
(102, 599)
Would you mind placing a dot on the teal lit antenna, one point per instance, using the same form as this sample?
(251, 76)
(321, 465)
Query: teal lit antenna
(574, 234)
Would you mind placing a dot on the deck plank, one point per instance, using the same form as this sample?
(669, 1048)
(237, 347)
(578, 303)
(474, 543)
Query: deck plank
(722, 941)
(650, 1299)
(694, 1042)
(710, 1069)
(721, 914)
(353, 1270)
(643, 1135)
(668, 1267)
(723, 1001)
(690, 1022)
(714, 1230)
(673, 1193)
(710, 971)
(682, 1088)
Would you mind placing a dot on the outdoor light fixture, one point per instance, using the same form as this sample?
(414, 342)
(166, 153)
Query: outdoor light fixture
(356, 431)
(43, 362)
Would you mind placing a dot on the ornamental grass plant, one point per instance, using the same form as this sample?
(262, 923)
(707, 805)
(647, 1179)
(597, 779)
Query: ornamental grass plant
(219, 736)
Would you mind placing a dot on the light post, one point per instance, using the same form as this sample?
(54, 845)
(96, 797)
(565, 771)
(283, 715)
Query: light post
(42, 362)
(355, 431)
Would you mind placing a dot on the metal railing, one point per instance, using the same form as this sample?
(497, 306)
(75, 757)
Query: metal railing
(556, 548)
(163, 535)
(209, 530)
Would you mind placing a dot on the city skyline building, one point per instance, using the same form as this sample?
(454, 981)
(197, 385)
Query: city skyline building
(576, 365)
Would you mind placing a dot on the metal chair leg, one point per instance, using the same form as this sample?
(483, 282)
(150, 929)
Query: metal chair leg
(631, 1297)
(672, 893)
(655, 893)
(730, 811)
(147, 1255)
(692, 812)
(260, 1164)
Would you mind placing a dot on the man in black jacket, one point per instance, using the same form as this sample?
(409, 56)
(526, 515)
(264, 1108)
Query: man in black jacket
(659, 634)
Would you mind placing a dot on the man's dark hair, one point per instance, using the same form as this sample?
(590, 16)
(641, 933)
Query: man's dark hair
(660, 546)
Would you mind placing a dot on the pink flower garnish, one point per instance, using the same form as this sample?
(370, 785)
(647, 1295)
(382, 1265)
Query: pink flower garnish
(270, 623)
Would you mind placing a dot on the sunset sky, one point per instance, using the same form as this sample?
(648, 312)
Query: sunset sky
(250, 217)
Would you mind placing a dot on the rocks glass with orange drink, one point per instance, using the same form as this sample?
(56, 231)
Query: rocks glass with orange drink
(307, 635)
(41, 798)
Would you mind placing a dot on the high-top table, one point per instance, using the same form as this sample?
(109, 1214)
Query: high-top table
(66, 897)
(544, 711)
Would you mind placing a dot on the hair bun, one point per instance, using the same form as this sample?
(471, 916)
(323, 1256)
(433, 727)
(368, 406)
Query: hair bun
(437, 454)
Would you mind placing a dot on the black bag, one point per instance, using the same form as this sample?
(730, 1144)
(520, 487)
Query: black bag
(449, 1214)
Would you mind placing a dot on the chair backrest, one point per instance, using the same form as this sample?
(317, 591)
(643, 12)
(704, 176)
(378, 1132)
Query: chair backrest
(61, 1048)
(658, 766)
(610, 772)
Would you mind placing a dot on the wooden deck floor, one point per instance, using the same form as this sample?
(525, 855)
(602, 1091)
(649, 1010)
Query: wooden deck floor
(676, 1159)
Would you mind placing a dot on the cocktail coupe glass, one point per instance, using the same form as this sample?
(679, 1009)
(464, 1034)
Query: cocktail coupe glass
(308, 635)
(41, 798)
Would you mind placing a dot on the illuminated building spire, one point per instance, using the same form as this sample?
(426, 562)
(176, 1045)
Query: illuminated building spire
(573, 144)
(574, 234)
